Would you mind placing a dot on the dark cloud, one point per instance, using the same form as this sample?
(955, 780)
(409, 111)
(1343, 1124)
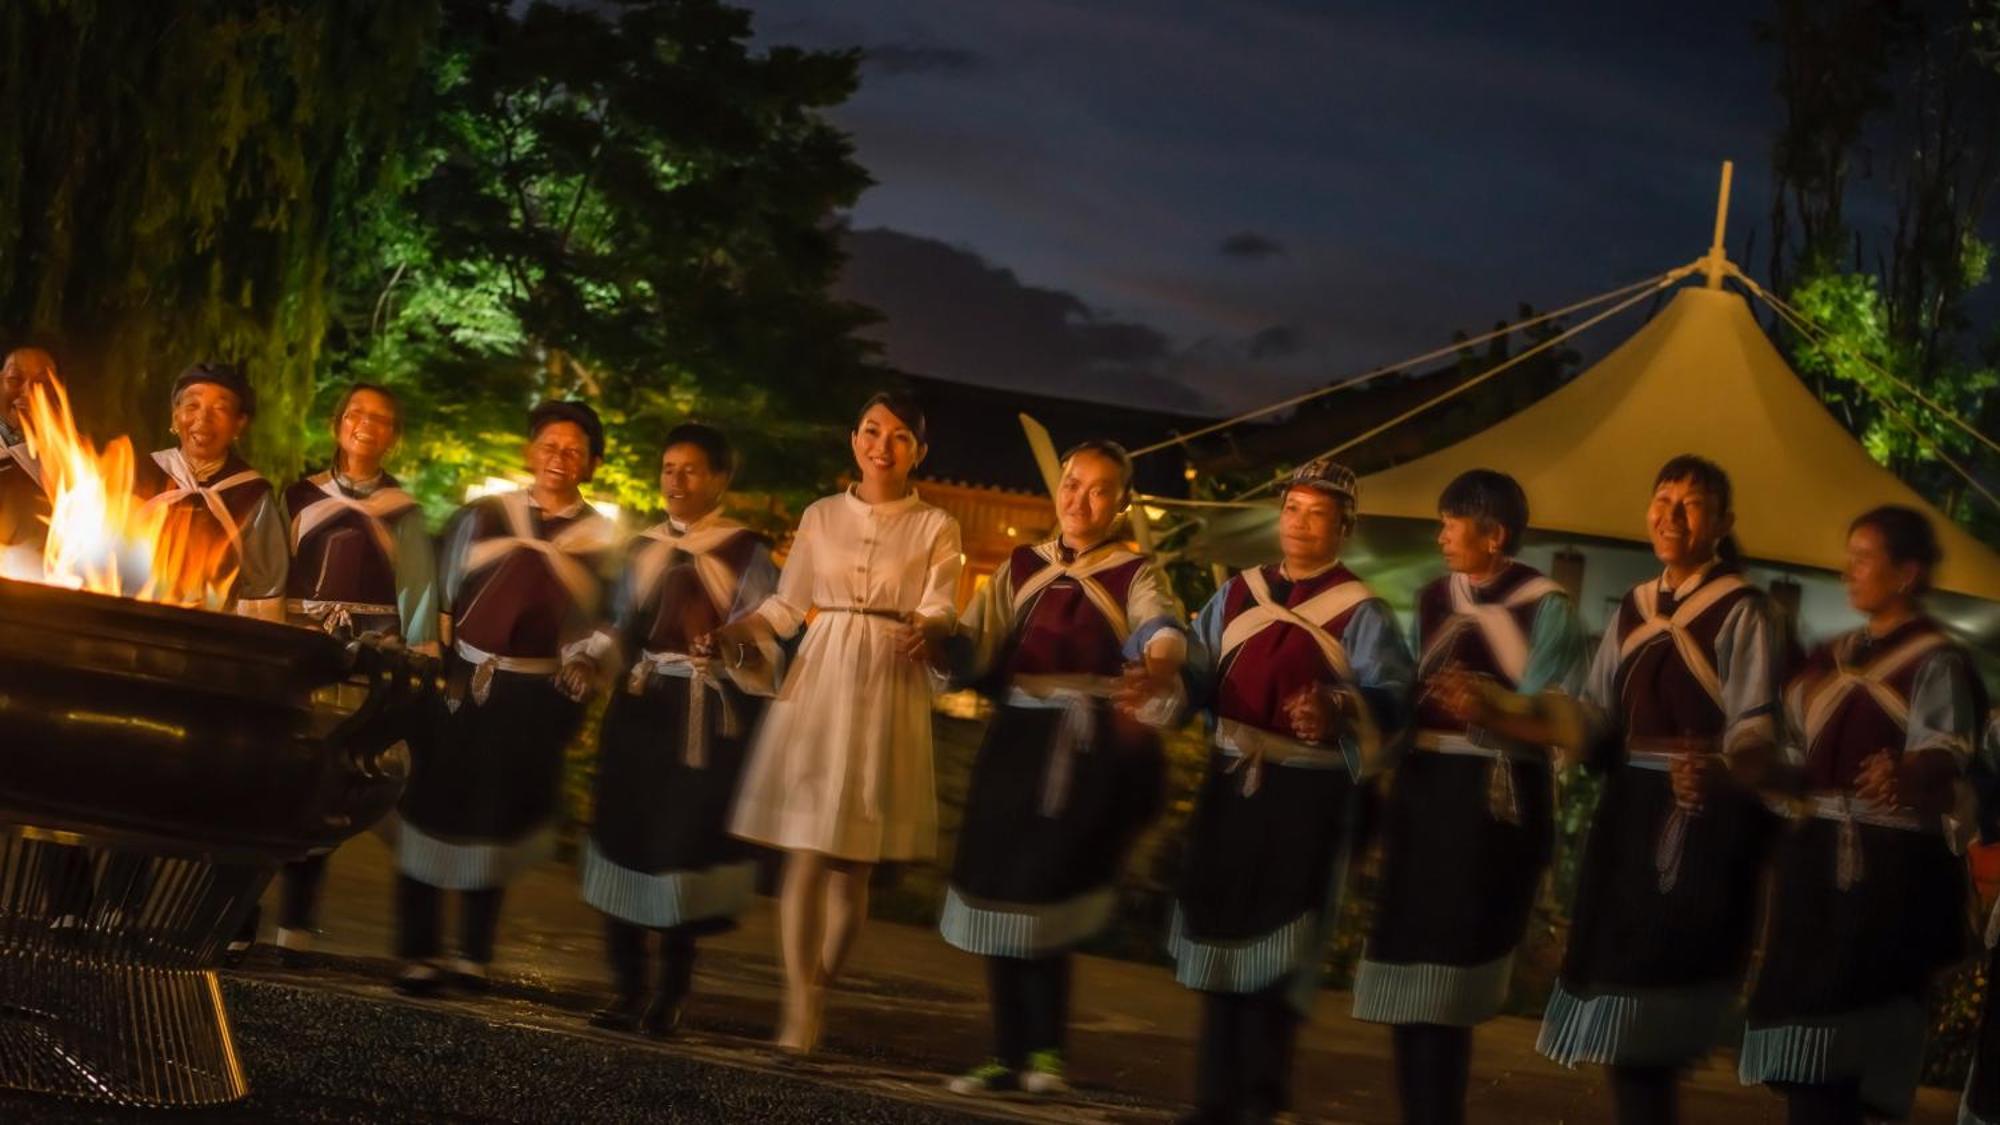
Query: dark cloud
(897, 59)
(950, 313)
(1250, 246)
(1276, 342)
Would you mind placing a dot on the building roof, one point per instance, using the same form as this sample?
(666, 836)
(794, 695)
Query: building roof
(975, 437)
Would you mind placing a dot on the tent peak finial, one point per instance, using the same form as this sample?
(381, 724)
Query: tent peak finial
(1716, 264)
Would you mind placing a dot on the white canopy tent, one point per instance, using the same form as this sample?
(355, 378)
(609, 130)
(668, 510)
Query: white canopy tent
(1700, 377)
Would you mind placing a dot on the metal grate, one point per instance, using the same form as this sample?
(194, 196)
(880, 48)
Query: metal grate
(103, 993)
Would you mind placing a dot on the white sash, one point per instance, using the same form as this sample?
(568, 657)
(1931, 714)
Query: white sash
(1496, 622)
(694, 747)
(1653, 624)
(698, 541)
(174, 464)
(1312, 615)
(1816, 702)
(1081, 573)
(24, 459)
(377, 509)
(588, 535)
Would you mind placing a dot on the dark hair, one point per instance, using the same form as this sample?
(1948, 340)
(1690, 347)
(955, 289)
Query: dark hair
(578, 414)
(1492, 498)
(708, 439)
(228, 376)
(1908, 537)
(1710, 478)
(347, 396)
(1109, 450)
(902, 406)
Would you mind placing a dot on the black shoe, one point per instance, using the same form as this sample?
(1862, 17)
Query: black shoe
(235, 952)
(622, 1014)
(419, 979)
(663, 1016)
(470, 976)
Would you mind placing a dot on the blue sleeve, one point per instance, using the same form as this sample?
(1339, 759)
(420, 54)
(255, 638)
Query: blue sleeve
(759, 581)
(1204, 659)
(1556, 649)
(1384, 675)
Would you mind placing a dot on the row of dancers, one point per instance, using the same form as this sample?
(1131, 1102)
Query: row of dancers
(1854, 774)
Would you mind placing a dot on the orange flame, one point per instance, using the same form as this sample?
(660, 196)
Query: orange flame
(102, 536)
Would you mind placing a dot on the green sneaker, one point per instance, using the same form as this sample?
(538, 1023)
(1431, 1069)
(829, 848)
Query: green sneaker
(989, 1077)
(1045, 1074)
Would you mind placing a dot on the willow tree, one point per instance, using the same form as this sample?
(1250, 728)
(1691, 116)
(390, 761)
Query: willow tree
(623, 202)
(172, 175)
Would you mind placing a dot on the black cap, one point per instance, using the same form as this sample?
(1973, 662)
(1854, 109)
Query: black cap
(578, 414)
(225, 375)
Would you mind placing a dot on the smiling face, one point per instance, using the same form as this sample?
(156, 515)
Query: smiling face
(366, 430)
(886, 449)
(559, 459)
(1875, 581)
(691, 485)
(1685, 524)
(1312, 527)
(209, 418)
(1470, 545)
(24, 368)
(1088, 500)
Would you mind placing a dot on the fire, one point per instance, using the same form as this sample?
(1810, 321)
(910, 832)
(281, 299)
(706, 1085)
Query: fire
(102, 536)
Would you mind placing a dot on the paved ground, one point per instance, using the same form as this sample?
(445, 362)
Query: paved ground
(912, 1011)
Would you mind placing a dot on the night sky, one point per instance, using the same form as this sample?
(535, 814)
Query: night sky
(1201, 205)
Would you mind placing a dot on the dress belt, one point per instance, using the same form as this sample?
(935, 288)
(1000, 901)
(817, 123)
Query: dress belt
(1254, 748)
(694, 751)
(485, 664)
(1076, 697)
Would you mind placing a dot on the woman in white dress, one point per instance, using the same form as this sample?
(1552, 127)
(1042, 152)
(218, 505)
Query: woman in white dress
(840, 774)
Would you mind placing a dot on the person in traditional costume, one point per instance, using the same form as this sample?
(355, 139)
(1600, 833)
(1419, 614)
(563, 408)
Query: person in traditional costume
(1681, 705)
(1305, 680)
(521, 578)
(1469, 826)
(1980, 1104)
(362, 562)
(232, 512)
(1869, 898)
(659, 859)
(840, 775)
(24, 501)
(1070, 640)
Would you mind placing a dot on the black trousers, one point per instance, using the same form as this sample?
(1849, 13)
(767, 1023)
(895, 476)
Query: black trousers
(625, 946)
(1646, 1095)
(1243, 1064)
(298, 897)
(1433, 1066)
(1030, 997)
(420, 921)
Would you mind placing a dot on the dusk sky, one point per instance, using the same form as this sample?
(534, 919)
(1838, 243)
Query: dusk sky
(1196, 204)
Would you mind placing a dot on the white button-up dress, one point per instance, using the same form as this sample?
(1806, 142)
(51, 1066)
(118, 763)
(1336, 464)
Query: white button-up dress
(842, 764)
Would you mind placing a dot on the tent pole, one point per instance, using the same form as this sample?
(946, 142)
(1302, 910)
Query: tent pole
(1718, 261)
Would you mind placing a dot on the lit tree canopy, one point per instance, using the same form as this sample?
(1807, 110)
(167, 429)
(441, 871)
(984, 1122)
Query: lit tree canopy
(172, 175)
(623, 204)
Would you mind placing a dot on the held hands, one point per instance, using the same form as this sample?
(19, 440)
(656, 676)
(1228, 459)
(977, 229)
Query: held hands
(1142, 682)
(1693, 774)
(735, 645)
(1879, 780)
(701, 653)
(1316, 713)
(578, 679)
(1462, 694)
(919, 638)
